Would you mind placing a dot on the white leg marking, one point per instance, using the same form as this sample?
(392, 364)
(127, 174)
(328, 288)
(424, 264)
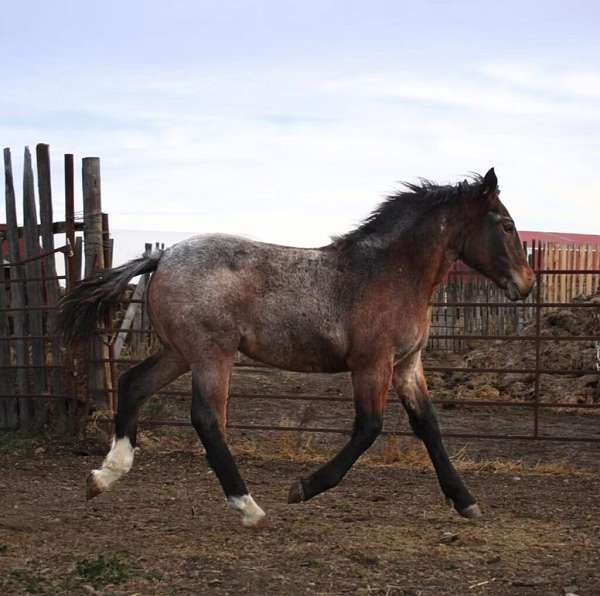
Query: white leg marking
(472, 511)
(116, 464)
(252, 514)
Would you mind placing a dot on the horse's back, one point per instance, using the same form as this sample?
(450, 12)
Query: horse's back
(282, 303)
(208, 251)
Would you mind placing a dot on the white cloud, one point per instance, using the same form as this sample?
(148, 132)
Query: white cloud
(572, 82)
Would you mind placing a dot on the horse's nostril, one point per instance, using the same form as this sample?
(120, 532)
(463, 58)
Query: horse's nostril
(528, 277)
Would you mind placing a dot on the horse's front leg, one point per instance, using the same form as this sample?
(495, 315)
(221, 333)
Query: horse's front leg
(410, 384)
(370, 386)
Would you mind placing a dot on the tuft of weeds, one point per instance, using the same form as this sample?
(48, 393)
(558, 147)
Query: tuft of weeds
(27, 581)
(97, 571)
(103, 569)
(16, 442)
(155, 407)
(99, 426)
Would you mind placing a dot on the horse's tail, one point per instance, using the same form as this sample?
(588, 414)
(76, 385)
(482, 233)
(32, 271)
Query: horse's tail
(87, 303)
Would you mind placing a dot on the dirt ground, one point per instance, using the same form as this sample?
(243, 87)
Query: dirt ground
(385, 530)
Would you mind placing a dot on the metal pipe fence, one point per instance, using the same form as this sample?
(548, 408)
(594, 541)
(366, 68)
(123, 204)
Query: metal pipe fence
(536, 336)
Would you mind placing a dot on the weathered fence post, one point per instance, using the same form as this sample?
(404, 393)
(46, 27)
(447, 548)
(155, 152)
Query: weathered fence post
(56, 386)
(78, 259)
(17, 289)
(76, 380)
(138, 338)
(8, 411)
(109, 371)
(70, 218)
(94, 260)
(107, 242)
(34, 292)
(92, 215)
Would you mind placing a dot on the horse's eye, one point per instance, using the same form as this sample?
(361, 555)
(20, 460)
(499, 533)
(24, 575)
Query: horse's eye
(508, 226)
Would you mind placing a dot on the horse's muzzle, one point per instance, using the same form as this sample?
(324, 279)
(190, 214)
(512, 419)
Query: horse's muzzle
(512, 292)
(520, 284)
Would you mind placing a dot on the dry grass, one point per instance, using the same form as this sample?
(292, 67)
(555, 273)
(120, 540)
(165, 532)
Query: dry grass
(403, 453)
(564, 466)
(391, 451)
(410, 453)
(99, 426)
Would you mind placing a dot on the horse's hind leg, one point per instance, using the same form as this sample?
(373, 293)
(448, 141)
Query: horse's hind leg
(210, 389)
(411, 387)
(135, 386)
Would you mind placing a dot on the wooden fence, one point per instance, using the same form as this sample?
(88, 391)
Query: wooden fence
(40, 383)
(469, 304)
(565, 288)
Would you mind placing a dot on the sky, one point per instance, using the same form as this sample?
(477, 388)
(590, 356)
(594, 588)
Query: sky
(289, 121)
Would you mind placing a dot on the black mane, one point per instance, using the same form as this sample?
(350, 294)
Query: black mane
(406, 205)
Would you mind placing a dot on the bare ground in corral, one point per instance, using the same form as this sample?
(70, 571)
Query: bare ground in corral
(385, 530)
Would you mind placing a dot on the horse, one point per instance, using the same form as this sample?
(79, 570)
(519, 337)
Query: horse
(359, 304)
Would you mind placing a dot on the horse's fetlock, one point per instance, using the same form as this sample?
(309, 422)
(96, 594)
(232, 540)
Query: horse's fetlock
(370, 428)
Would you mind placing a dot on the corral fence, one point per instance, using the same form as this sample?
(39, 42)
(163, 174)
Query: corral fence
(468, 304)
(480, 315)
(43, 384)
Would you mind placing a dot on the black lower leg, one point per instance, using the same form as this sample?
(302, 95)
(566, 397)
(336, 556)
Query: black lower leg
(129, 403)
(367, 427)
(135, 385)
(425, 426)
(217, 453)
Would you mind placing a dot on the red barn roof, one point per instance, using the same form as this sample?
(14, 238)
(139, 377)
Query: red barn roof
(560, 237)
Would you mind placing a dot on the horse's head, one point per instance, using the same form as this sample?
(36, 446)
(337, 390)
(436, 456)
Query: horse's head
(491, 244)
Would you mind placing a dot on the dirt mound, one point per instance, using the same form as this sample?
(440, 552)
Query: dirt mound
(572, 388)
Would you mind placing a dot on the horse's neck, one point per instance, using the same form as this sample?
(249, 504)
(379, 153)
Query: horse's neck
(426, 253)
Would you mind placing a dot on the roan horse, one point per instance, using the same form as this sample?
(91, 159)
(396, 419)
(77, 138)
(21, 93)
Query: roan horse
(359, 304)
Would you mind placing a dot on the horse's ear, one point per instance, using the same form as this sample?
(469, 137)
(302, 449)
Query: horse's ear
(489, 185)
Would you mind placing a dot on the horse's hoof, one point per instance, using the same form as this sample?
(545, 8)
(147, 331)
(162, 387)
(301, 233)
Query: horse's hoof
(92, 488)
(472, 511)
(296, 494)
(252, 515)
(256, 520)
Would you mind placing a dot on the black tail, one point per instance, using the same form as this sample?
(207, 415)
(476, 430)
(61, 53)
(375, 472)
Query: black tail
(87, 303)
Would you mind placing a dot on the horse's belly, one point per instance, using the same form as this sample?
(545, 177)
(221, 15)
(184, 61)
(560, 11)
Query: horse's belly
(290, 350)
